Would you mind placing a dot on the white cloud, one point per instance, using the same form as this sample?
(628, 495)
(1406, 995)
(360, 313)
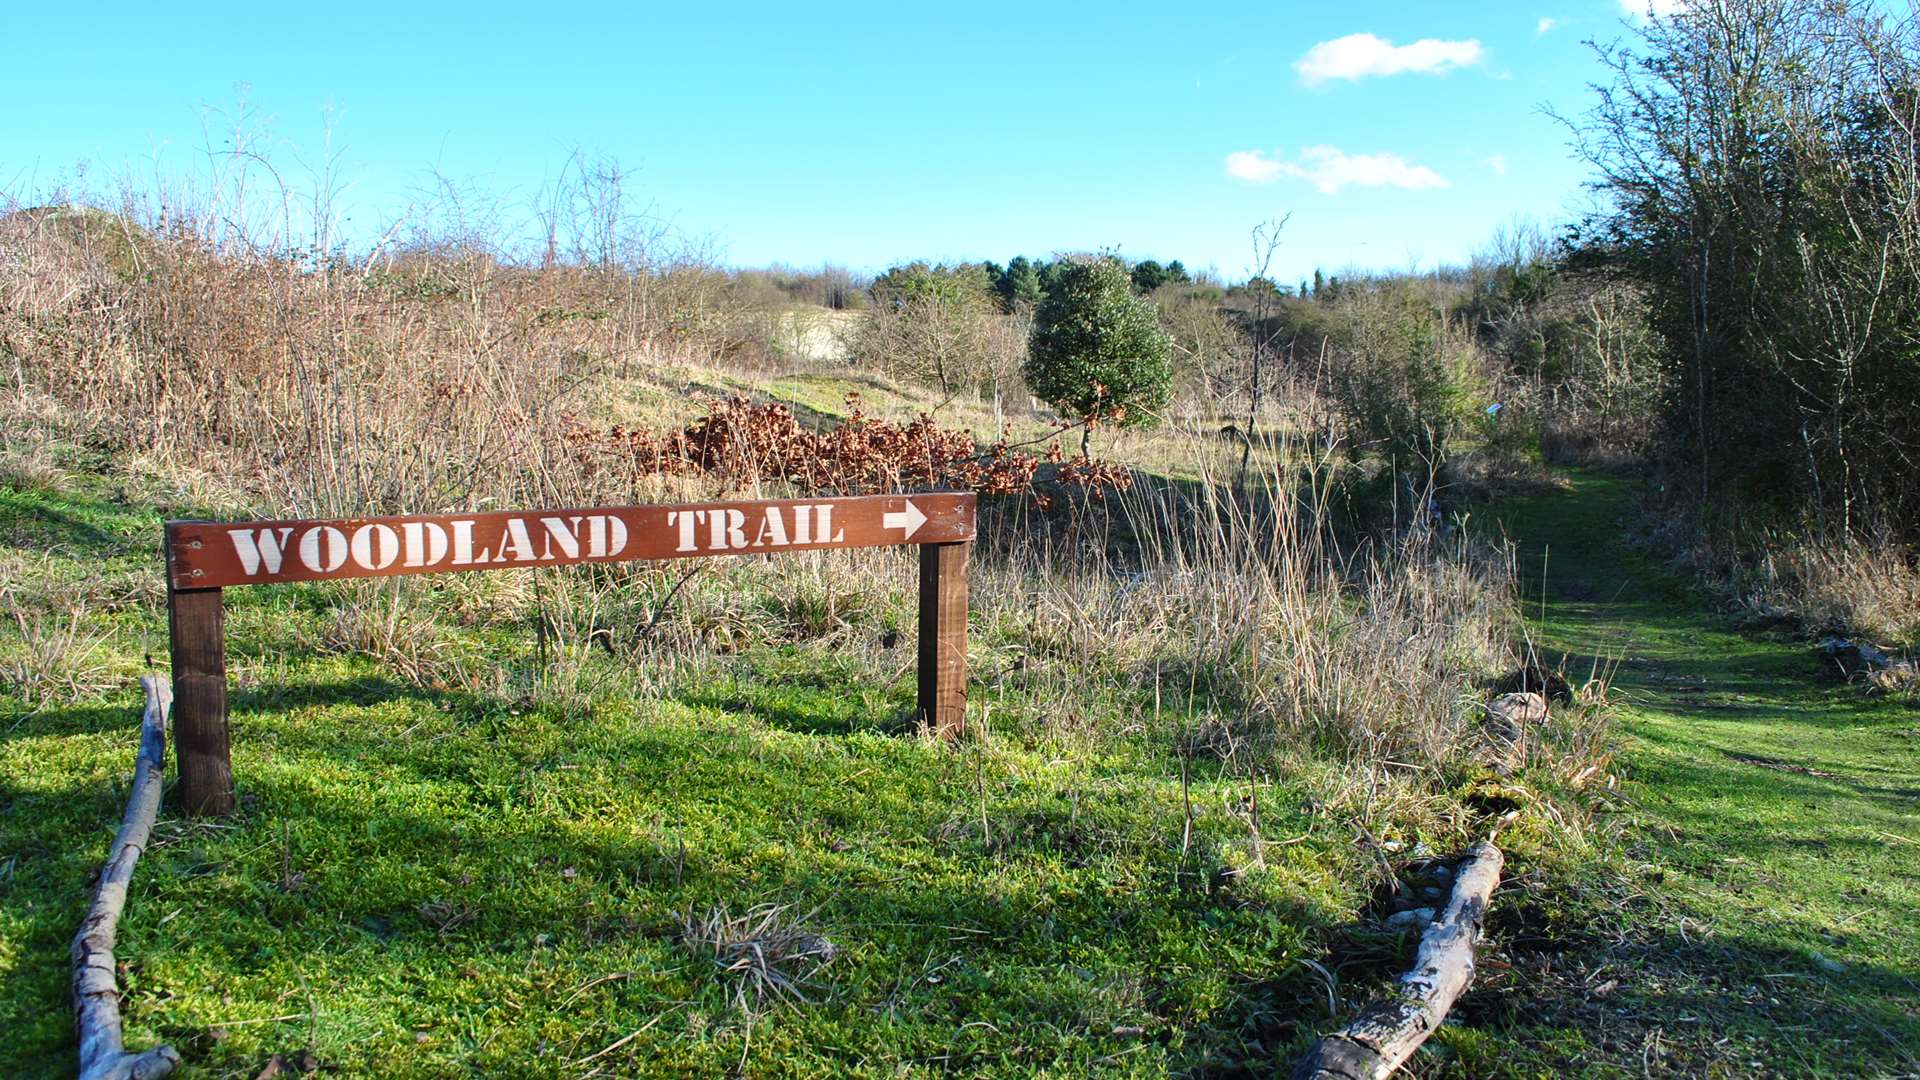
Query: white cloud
(1357, 56)
(1330, 168)
(1545, 26)
(1653, 9)
(1498, 163)
(1253, 167)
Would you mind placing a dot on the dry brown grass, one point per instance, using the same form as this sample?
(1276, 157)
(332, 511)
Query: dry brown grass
(766, 951)
(57, 657)
(1856, 588)
(1367, 650)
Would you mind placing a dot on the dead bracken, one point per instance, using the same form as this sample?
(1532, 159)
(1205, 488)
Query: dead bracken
(744, 442)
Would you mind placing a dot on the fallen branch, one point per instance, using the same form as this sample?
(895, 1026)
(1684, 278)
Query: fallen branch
(96, 995)
(1388, 1032)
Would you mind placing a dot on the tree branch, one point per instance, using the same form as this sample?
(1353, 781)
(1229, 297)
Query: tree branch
(96, 994)
(1387, 1033)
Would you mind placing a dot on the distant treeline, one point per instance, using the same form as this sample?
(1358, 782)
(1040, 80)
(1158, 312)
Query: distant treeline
(1022, 282)
(1019, 284)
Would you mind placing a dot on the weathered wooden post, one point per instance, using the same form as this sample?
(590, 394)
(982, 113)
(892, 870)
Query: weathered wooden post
(943, 637)
(196, 629)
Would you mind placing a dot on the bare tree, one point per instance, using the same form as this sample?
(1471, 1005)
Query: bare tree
(1760, 155)
(1263, 329)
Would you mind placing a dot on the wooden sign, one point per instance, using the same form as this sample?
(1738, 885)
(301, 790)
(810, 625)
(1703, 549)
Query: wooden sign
(205, 557)
(208, 555)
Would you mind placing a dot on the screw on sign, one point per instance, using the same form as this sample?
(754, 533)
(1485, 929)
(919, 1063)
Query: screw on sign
(205, 557)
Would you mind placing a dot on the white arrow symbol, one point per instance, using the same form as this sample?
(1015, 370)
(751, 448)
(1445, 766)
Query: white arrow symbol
(909, 519)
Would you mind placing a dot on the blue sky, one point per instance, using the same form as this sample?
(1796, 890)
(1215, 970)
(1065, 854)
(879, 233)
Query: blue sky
(1395, 134)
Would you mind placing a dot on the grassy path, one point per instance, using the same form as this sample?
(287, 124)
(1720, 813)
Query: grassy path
(1773, 925)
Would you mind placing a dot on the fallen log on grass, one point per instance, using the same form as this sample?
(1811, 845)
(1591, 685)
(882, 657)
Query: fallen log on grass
(96, 994)
(1388, 1032)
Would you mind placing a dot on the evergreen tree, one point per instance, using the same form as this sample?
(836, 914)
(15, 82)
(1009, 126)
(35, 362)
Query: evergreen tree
(1020, 285)
(1148, 276)
(1097, 350)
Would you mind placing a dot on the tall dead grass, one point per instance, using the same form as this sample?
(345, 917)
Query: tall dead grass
(1239, 600)
(1856, 588)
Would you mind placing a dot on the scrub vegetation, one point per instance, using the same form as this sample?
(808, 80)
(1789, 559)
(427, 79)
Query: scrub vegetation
(1253, 558)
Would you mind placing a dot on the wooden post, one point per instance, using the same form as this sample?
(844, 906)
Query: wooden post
(196, 624)
(943, 637)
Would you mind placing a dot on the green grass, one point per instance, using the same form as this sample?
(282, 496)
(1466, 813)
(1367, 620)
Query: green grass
(437, 882)
(431, 881)
(1769, 924)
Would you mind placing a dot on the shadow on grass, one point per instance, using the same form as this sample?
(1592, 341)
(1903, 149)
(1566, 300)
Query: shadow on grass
(54, 521)
(429, 862)
(1718, 1006)
(393, 834)
(1771, 813)
(123, 713)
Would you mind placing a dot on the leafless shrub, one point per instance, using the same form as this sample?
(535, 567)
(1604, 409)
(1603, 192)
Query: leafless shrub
(1604, 403)
(947, 334)
(1211, 372)
(1783, 259)
(203, 320)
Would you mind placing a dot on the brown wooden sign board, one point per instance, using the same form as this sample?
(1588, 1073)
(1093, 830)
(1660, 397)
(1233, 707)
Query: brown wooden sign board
(204, 557)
